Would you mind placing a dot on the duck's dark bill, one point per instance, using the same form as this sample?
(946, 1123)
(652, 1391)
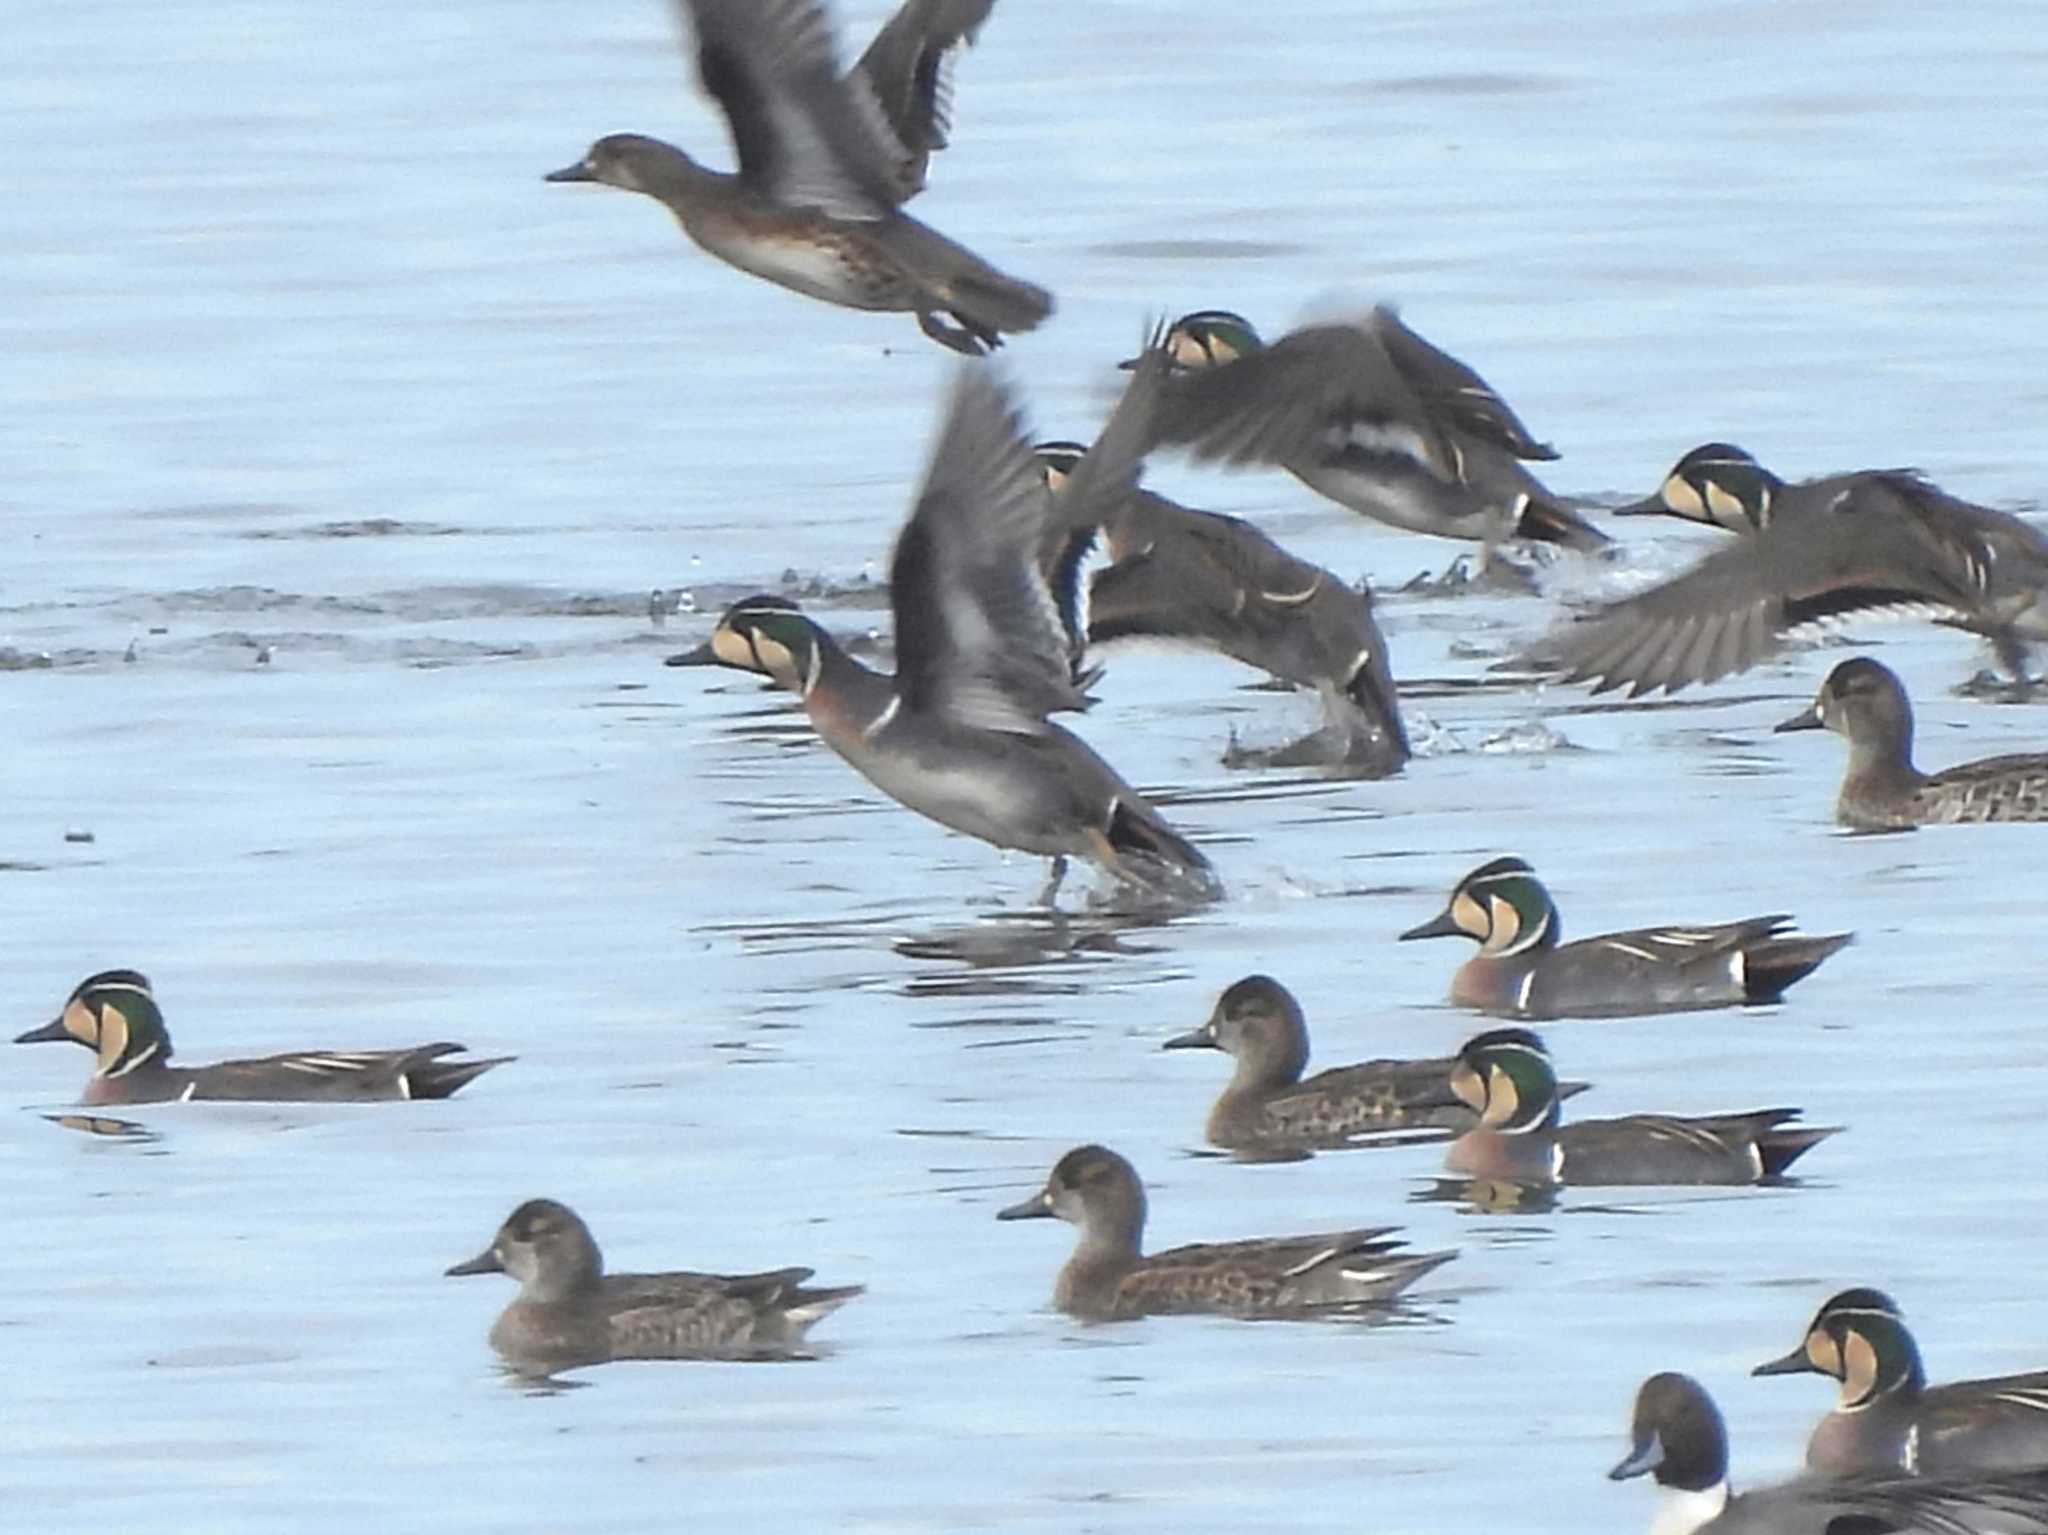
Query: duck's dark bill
(1440, 926)
(1026, 1209)
(1199, 1039)
(1794, 1363)
(577, 172)
(1646, 1457)
(482, 1263)
(54, 1029)
(703, 655)
(1806, 719)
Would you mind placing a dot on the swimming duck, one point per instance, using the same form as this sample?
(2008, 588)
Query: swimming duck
(1109, 1277)
(825, 161)
(960, 733)
(1181, 574)
(1677, 1435)
(1808, 556)
(570, 1313)
(1864, 701)
(114, 1015)
(1370, 415)
(1888, 1418)
(1523, 971)
(1505, 1077)
(1269, 1108)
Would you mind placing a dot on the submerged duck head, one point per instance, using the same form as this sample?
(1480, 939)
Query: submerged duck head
(629, 160)
(1505, 1077)
(1859, 1338)
(1677, 1433)
(1207, 338)
(1500, 905)
(764, 634)
(114, 1015)
(1863, 700)
(1256, 1017)
(1091, 1187)
(546, 1247)
(1718, 484)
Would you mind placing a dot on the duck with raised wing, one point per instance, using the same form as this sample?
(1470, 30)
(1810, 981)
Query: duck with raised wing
(1110, 1278)
(1888, 1418)
(570, 1313)
(1505, 1076)
(114, 1014)
(825, 162)
(1807, 557)
(1269, 1108)
(1176, 573)
(1677, 1435)
(1864, 701)
(1370, 415)
(983, 655)
(1522, 970)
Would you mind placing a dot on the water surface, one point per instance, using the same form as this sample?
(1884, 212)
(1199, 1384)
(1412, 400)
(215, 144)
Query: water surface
(302, 359)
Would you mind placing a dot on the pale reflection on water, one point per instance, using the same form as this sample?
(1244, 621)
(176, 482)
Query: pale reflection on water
(304, 361)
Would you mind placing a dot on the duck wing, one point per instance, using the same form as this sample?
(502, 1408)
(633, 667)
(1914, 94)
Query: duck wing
(1323, 394)
(909, 67)
(804, 137)
(1453, 390)
(980, 637)
(1863, 551)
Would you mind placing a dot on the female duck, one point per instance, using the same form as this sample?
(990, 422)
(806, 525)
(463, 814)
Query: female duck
(825, 161)
(1268, 1107)
(1110, 1277)
(570, 1313)
(1864, 701)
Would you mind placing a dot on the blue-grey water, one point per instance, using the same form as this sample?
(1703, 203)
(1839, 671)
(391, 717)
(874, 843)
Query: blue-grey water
(299, 358)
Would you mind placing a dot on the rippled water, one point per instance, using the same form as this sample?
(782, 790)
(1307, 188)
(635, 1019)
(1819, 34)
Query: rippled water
(300, 359)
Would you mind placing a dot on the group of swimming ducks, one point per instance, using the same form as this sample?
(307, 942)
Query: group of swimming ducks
(994, 625)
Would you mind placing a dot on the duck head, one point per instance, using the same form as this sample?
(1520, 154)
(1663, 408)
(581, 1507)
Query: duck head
(546, 1247)
(1676, 1434)
(1718, 484)
(767, 635)
(114, 1015)
(1505, 1077)
(1859, 1338)
(1256, 1018)
(1207, 338)
(629, 160)
(1502, 906)
(1093, 1188)
(1863, 700)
